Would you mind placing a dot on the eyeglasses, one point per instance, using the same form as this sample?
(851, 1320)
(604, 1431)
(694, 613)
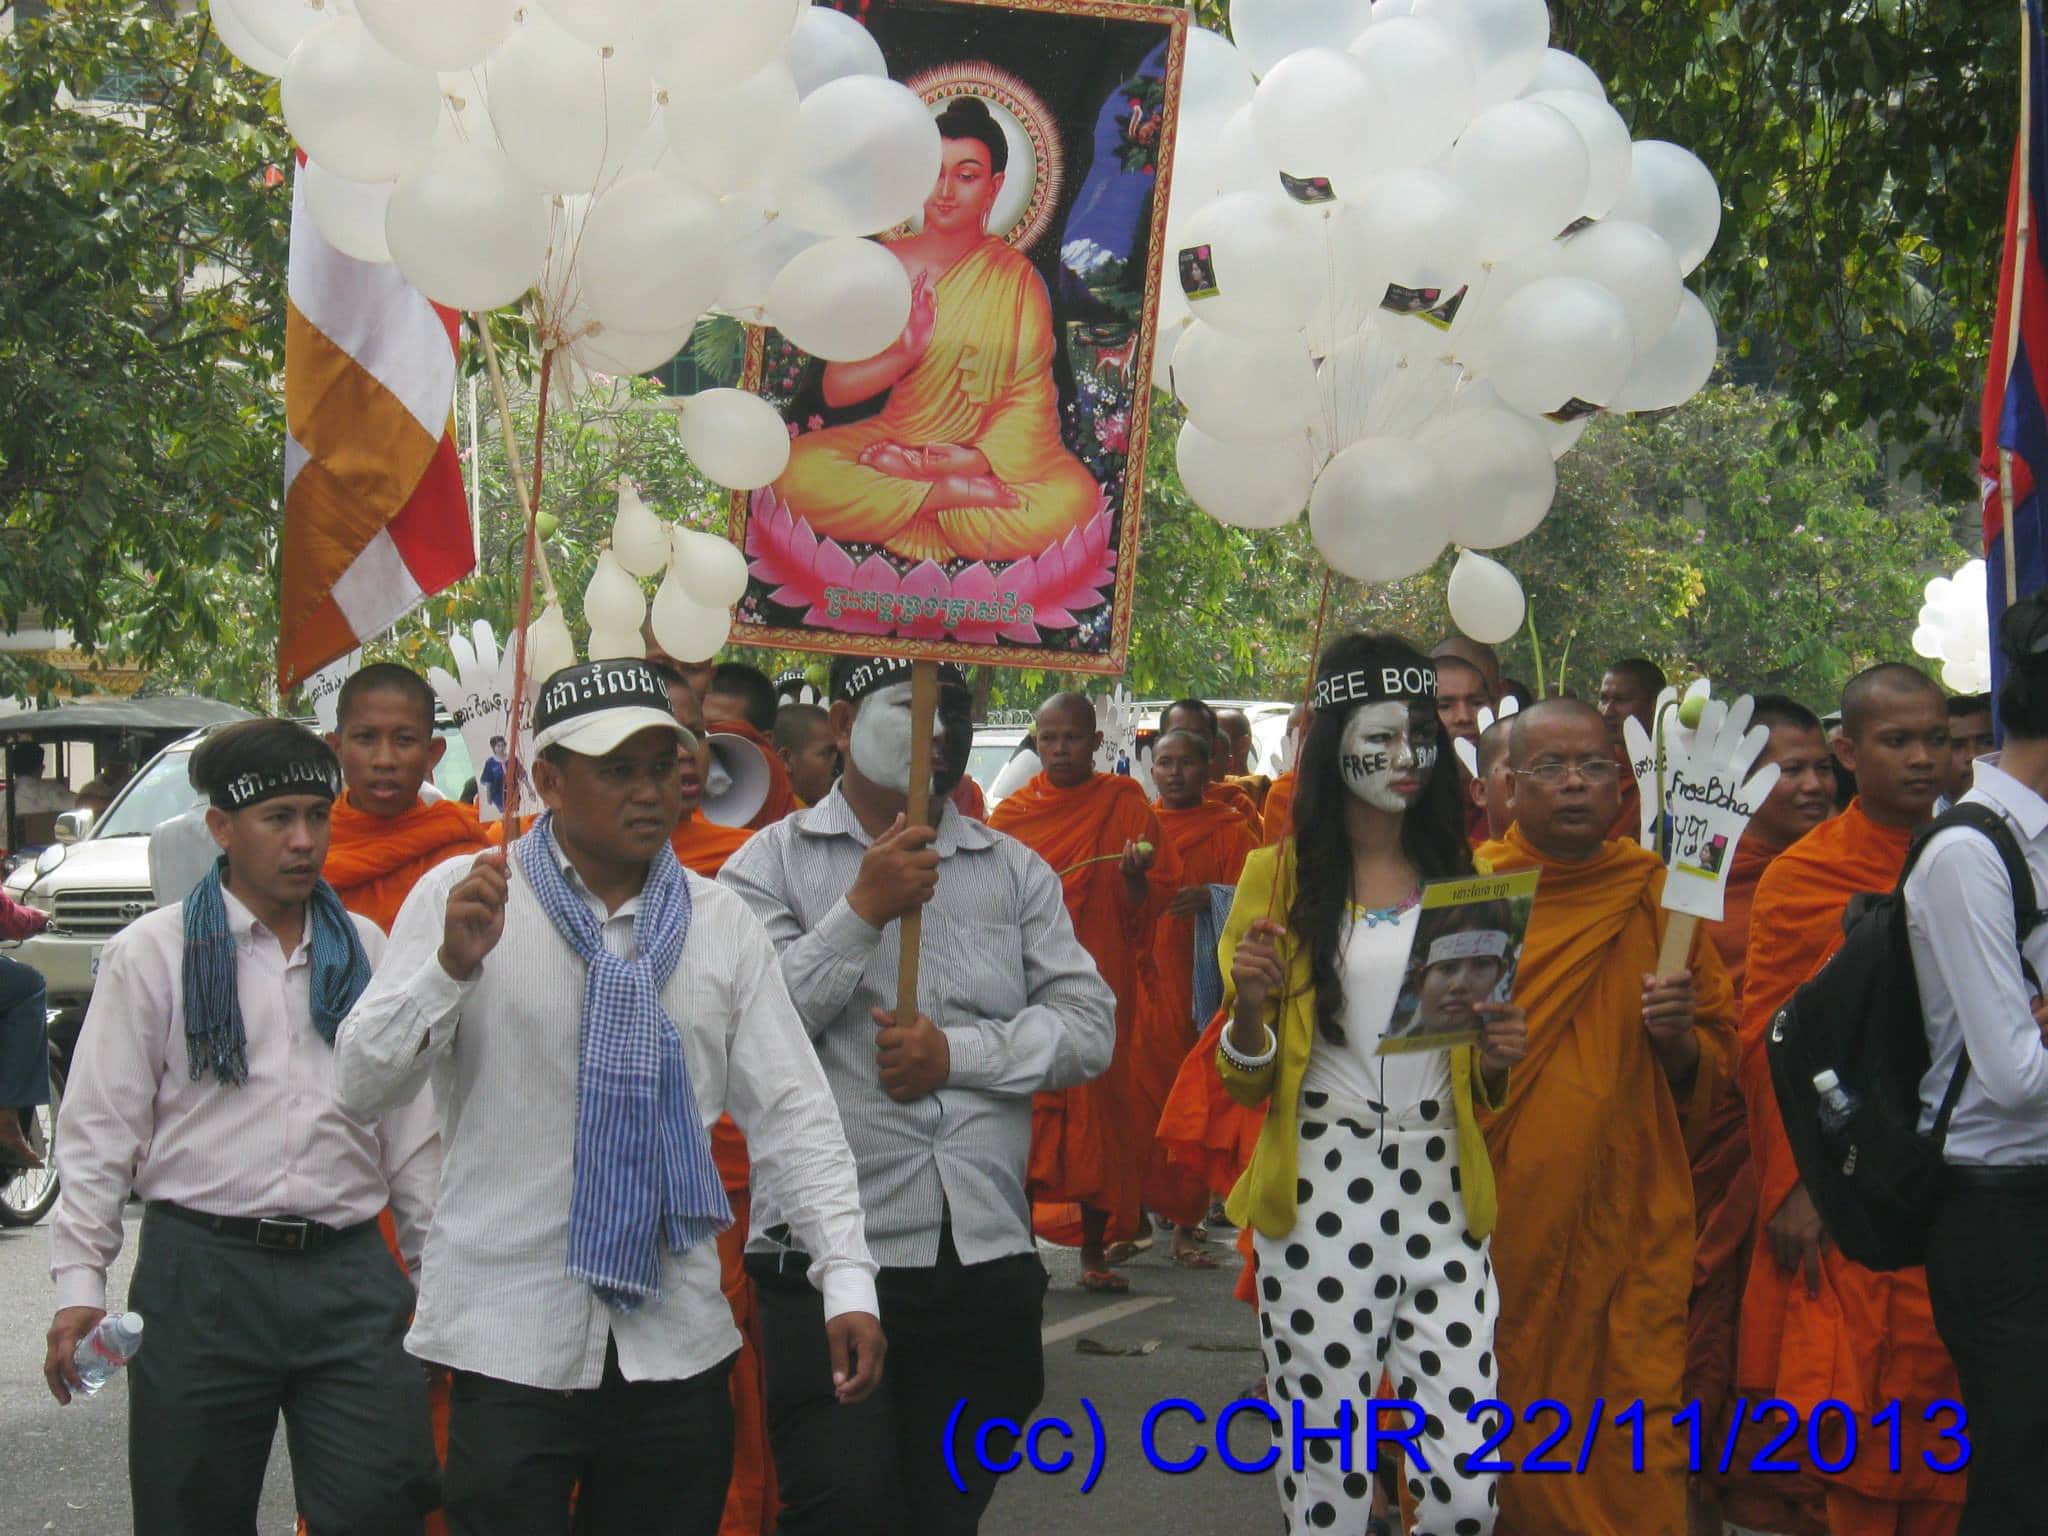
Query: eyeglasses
(1594, 770)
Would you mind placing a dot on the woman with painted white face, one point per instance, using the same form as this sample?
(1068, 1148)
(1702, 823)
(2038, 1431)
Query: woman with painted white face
(1369, 1192)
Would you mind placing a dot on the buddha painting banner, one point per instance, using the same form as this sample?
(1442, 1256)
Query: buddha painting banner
(973, 493)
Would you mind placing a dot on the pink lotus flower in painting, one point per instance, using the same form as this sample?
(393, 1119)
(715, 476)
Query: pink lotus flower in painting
(975, 606)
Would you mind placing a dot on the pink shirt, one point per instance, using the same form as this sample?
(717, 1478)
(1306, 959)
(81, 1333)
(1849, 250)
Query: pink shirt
(277, 1145)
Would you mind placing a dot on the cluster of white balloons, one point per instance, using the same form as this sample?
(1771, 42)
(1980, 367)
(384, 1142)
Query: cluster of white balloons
(630, 164)
(1955, 629)
(1416, 251)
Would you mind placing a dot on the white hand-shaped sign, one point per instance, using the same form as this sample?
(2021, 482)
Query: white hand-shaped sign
(1711, 794)
(1119, 723)
(324, 689)
(1468, 752)
(1649, 753)
(478, 696)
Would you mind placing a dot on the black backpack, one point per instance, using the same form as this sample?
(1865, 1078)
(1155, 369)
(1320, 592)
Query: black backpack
(1875, 1183)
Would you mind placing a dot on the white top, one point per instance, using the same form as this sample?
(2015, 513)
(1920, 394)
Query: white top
(1959, 918)
(1375, 956)
(495, 1294)
(276, 1145)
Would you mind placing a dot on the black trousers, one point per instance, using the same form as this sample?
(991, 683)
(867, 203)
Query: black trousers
(239, 1334)
(24, 1037)
(642, 1458)
(1987, 1275)
(878, 1468)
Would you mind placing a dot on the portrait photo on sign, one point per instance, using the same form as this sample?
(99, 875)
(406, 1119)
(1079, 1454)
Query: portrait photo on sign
(1468, 943)
(972, 492)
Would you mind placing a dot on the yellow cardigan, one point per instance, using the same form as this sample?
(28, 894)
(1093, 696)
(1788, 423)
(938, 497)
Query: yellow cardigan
(1265, 1194)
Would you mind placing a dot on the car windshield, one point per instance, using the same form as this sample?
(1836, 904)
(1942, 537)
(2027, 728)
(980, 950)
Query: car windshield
(986, 760)
(455, 770)
(160, 792)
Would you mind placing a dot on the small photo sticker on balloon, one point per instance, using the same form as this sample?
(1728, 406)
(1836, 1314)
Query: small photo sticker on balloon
(1428, 304)
(1198, 272)
(1308, 189)
(1572, 410)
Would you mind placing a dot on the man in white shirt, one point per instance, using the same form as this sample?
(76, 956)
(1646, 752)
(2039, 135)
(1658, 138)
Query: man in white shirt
(1987, 1259)
(587, 1008)
(202, 1082)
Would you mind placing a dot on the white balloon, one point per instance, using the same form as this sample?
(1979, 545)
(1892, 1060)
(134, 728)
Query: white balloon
(711, 570)
(1970, 579)
(1267, 31)
(724, 142)
(735, 438)
(1377, 510)
(1315, 115)
(1497, 280)
(1247, 485)
(598, 21)
(605, 644)
(1506, 40)
(1608, 150)
(706, 45)
(1633, 263)
(1526, 170)
(465, 115)
(1486, 601)
(1264, 256)
(362, 113)
(1215, 81)
(1416, 228)
(639, 538)
(841, 300)
(1927, 641)
(241, 40)
(1556, 341)
(1672, 192)
(1424, 87)
(1560, 437)
(348, 214)
(864, 158)
(1677, 366)
(1499, 476)
(1246, 388)
(1965, 677)
(1167, 341)
(613, 599)
(439, 34)
(830, 45)
(621, 353)
(754, 264)
(685, 628)
(652, 256)
(568, 113)
(549, 645)
(467, 229)
(1561, 71)
(279, 26)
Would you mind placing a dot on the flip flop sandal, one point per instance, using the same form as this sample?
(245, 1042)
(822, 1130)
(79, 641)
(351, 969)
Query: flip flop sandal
(1104, 1280)
(1194, 1258)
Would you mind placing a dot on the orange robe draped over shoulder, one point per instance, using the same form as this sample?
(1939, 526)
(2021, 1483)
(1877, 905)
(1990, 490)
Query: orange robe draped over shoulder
(985, 382)
(1089, 1144)
(1867, 1339)
(1240, 802)
(1279, 813)
(373, 862)
(1210, 844)
(1592, 1152)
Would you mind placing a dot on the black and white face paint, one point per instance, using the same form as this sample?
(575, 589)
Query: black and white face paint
(881, 738)
(1382, 761)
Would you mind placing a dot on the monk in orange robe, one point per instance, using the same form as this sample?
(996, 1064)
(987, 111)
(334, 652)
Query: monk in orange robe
(1592, 1153)
(1089, 1145)
(1278, 811)
(1723, 1180)
(1210, 843)
(383, 838)
(1234, 760)
(1629, 688)
(1814, 1325)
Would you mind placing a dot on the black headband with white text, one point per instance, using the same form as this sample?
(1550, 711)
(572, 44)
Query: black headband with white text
(854, 683)
(308, 776)
(1372, 685)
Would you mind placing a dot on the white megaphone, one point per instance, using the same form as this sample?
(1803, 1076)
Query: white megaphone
(181, 853)
(737, 783)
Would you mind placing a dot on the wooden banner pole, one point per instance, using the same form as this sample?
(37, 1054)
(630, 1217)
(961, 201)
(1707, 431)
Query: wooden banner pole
(924, 705)
(2022, 234)
(1673, 959)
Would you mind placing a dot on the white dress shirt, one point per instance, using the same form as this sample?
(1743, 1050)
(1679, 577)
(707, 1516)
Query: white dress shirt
(275, 1145)
(1959, 916)
(496, 1297)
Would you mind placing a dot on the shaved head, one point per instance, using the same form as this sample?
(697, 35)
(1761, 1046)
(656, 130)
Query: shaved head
(1545, 712)
(1871, 690)
(1071, 707)
(1493, 745)
(1194, 739)
(1067, 738)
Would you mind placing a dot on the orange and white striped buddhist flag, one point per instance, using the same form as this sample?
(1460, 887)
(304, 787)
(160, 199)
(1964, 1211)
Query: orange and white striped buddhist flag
(374, 513)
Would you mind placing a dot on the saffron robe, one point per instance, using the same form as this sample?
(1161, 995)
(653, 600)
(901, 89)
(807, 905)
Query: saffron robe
(1867, 1339)
(1090, 1143)
(1592, 1155)
(1279, 814)
(374, 861)
(1239, 802)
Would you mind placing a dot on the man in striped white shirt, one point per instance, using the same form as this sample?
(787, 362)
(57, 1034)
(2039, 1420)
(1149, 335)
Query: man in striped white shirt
(938, 1115)
(587, 1008)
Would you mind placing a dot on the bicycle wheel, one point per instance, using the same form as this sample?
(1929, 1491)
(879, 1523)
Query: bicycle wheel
(27, 1196)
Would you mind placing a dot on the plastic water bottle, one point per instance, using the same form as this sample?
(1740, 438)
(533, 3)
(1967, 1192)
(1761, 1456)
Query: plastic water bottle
(107, 1348)
(1837, 1104)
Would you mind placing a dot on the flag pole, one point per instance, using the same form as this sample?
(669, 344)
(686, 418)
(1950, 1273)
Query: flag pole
(2022, 231)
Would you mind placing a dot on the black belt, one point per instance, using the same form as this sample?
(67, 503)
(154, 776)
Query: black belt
(2015, 1176)
(280, 1234)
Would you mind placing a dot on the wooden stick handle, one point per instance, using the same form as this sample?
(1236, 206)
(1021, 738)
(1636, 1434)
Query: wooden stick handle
(1673, 958)
(924, 705)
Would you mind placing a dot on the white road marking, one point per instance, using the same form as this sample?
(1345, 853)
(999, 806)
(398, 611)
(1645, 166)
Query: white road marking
(1101, 1316)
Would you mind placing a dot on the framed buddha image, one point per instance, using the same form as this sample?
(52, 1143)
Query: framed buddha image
(974, 493)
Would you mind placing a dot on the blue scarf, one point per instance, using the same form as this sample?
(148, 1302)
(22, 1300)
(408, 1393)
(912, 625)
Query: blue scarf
(215, 1040)
(644, 1173)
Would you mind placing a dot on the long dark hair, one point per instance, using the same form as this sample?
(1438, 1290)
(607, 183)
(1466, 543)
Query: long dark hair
(1432, 832)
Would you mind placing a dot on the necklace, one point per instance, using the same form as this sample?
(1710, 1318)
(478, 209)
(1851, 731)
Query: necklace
(1374, 916)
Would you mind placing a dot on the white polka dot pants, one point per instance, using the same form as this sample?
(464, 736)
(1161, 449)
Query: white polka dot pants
(1378, 1274)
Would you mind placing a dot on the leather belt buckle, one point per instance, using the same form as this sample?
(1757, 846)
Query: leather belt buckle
(286, 1233)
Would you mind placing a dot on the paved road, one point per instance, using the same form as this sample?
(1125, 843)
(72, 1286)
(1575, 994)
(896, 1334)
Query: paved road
(64, 1470)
